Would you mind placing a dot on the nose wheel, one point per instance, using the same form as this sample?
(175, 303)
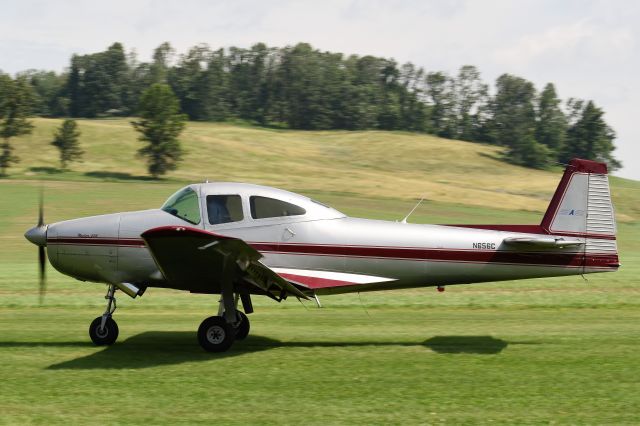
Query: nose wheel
(103, 335)
(104, 330)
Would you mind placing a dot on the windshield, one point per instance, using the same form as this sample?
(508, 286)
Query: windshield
(184, 204)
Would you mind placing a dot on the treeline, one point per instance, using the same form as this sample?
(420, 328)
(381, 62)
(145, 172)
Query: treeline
(300, 87)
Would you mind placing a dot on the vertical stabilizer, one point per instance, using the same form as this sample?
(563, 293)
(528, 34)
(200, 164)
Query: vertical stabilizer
(582, 204)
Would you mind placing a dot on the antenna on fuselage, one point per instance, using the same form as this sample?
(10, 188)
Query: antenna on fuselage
(412, 210)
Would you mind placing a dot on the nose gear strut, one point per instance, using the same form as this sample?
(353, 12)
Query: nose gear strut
(104, 330)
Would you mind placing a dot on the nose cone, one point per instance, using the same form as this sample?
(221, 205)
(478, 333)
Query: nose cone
(37, 235)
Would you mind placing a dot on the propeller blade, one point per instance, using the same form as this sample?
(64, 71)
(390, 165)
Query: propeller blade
(41, 209)
(42, 259)
(42, 255)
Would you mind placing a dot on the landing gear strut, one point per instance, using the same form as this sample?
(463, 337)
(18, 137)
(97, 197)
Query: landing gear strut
(104, 330)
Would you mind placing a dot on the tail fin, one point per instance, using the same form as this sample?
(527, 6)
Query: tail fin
(582, 204)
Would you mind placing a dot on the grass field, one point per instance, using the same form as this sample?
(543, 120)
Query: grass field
(558, 350)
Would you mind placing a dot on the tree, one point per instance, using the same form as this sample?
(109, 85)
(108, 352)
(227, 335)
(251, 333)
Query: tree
(47, 88)
(160, 125)
(188, 82)
(551, 124)
(514, 122)
(66, 140)
(589, 136)
(441, 99)
(161, 59)
(98, 83)
(15, 106)
(469, 93)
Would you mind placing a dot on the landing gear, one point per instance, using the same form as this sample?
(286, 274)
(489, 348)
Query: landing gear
(104, 330)
(103, 335)
(217, 334)
(242, 326)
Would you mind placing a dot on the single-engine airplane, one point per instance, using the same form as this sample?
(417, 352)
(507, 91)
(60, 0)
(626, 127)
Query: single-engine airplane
(239, 240)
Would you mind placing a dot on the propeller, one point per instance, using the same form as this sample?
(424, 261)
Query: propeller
(42, 272)
(38, 236)
(42, 255)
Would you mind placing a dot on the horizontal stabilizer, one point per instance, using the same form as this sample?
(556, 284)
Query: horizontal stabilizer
(543, 241)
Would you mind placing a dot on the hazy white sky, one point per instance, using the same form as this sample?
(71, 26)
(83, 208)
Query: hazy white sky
(589, 49)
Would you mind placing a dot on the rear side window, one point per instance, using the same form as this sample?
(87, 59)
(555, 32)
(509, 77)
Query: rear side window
(264, 207)
(224, 209)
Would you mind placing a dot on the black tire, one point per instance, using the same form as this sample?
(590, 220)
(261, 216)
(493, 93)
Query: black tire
(215, 335)
(106, 336)
(242, 326)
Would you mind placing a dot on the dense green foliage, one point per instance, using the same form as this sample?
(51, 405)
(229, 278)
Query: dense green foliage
(588, 135)
(159, 126)
(98, 84)
(514, 122)
(300, 87)
(15, 106)
(66, 140)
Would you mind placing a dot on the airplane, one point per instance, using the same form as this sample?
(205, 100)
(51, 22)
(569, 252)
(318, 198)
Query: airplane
(240, 240)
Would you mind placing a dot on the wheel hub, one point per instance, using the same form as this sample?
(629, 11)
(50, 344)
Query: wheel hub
(102, 331)
(216, 334)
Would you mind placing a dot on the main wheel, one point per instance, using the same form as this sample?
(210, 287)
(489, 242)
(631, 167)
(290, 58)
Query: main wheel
(215, 335)
(103, 336)
(242, 326)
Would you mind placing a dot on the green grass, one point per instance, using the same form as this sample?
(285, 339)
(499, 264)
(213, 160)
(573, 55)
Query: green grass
(559, 350)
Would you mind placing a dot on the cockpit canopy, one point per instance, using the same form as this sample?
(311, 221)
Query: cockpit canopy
(243, 204)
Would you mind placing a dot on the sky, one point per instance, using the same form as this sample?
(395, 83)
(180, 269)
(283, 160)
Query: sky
(588, 49)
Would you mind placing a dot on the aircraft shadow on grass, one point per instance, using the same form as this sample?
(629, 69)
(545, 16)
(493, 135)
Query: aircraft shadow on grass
(156, 348)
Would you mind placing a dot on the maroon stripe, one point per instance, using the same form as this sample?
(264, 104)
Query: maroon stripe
(507, 257)
(610, 263)
(315, 282)
(97, 241)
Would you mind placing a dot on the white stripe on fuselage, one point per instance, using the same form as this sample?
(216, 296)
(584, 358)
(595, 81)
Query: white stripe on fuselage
(338, 276)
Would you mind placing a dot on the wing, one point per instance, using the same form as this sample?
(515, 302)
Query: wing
(193, 259)
(543, 241)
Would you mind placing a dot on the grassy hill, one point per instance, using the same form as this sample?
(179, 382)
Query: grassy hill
(372, 164)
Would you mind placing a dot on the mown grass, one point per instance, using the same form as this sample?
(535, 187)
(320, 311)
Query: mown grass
(560, 350)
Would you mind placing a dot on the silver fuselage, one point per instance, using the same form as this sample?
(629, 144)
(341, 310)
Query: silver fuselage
(109, 248)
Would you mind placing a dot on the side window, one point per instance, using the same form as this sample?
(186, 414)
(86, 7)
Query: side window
(263, 207)
(224, 209)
